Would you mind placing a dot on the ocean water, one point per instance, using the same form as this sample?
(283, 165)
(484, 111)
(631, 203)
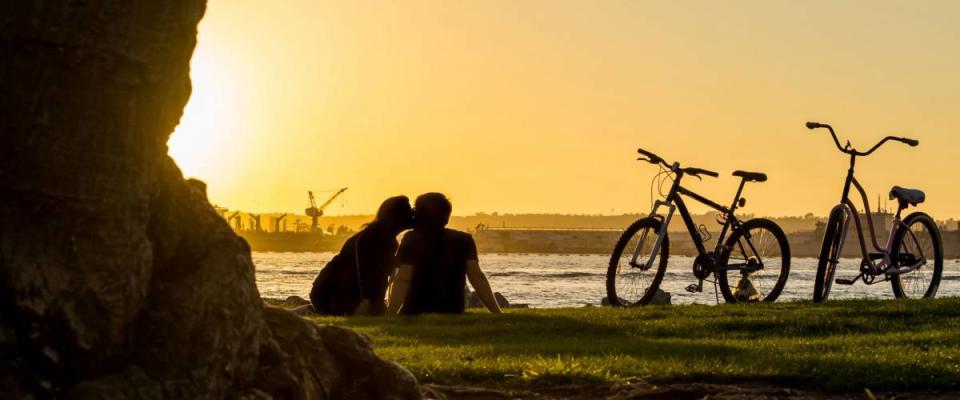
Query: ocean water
(561, 280)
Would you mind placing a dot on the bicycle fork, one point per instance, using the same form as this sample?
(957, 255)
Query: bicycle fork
(661, 233)
(835, 261)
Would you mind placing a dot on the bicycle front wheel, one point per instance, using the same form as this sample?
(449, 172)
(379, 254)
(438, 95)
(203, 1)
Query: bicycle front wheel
(633, 284)
(829, 255)
(917, 244)
(756, 259)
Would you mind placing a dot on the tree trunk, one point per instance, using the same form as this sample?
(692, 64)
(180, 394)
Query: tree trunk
(117, 278)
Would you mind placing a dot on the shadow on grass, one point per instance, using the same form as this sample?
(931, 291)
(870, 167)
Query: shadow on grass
(844, 345)
(529, 334)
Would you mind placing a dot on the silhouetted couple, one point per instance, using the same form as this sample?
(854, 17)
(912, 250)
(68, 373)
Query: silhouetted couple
(427, 274)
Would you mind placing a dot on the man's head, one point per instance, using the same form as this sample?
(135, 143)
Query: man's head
(396, 213)
(432, 211)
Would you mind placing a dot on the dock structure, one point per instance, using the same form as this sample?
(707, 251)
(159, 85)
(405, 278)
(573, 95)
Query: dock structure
(545, 240)
(295, 233)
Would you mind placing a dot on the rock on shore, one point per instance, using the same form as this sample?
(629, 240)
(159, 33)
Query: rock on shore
(117, 277)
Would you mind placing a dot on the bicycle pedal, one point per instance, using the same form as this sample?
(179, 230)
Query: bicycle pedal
(693, 288)
(841, 281)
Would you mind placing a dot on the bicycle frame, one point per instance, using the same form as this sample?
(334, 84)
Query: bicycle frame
(850, 209)
(674, 202)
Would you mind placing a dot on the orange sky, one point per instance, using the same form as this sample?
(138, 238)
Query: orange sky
(538, 106)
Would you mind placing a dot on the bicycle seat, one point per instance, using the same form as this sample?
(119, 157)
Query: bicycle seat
(751, 176)
(912, 196)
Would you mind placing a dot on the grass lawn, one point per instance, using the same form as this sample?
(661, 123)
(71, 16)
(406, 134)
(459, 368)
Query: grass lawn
(837, 346)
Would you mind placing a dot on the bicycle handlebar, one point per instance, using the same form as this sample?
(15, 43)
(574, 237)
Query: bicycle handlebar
(700, 171)
(908, 141)
(816, 125)
(651, 158)
(655, 159)
(850, 150)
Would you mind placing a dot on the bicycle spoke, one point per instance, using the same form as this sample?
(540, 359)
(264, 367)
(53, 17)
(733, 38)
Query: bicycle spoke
(917, 245)
(756, 263)
(632, 283)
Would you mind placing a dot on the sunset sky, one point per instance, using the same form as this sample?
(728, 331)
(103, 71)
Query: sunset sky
(539, 106)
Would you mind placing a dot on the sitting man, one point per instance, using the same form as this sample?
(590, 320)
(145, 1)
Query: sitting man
(435, 263)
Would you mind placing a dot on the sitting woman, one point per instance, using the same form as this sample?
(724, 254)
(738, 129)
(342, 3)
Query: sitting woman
(435, 263)
(355, 280)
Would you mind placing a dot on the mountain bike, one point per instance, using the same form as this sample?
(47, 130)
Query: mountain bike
(755, 258)
(913, 242)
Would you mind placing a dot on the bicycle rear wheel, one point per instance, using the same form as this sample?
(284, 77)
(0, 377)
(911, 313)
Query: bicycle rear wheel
(629, 285)
(756, 258)
(829, 256)
(917, 243)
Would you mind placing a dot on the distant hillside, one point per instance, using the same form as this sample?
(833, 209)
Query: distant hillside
(494, 220)
(618, 222)
(553, 221)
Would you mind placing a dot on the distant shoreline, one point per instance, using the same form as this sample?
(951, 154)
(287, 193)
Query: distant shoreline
(559, 241)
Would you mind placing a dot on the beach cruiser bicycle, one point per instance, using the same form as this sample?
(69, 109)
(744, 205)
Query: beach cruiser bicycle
(751, 266)
(912, 259)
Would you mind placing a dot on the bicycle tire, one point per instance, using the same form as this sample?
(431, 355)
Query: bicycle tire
(901, 238)
(614, 267)
(826, 270)
(758, 241)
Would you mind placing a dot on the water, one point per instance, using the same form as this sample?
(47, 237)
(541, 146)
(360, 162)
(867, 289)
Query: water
(560, 280)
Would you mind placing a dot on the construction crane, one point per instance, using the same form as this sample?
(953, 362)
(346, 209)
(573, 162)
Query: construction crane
(276, 222)
(221, 211)
(256, 222)
(315, 212)
(231, 217)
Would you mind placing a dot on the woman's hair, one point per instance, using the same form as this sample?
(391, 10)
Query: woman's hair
(394, 213)
(433, 211)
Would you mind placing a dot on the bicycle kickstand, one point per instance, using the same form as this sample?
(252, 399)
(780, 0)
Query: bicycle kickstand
(716, 292)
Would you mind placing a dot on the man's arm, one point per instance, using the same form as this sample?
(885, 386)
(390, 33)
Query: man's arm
(399, 288)
(390, 281)
(479, 282)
